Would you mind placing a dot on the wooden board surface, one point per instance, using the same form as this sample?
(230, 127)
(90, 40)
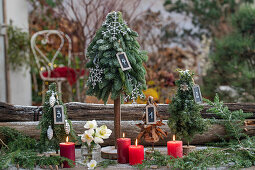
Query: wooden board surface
(131, 130)
(86, 111)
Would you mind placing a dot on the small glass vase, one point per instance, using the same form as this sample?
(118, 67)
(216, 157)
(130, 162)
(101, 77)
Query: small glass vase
(94, 154)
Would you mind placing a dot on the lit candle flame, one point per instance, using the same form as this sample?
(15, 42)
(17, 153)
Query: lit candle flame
(173, 137)
(67, 139)
(123, 135)
(136, 142)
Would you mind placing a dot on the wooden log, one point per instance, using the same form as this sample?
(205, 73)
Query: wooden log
(86, 111)
(13, 113)
(131, 130)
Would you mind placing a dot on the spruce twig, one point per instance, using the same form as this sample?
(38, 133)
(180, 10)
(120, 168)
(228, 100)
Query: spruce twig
(4, 143)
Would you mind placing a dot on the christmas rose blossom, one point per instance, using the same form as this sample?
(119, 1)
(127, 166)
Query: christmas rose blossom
(92, 164)
(91, 124)
(88, 136)
(103, 132)
(98, 140)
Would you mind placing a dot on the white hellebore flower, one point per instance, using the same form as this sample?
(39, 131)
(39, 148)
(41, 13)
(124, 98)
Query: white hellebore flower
(103, 132)
(98, 140)
(92, 164)
(88, 136)
(91, 124)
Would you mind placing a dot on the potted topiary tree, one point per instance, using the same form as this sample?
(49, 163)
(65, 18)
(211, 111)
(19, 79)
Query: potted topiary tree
(116, 64)
(185, 119)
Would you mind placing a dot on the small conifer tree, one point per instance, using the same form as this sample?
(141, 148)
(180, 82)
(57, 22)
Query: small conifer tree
(47, 122)
(107, 77)
(185, 119)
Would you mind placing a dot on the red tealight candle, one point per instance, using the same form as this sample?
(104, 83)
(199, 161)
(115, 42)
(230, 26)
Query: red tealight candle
(67, 150)
(174, 148)
(123, 149)
(136, 154)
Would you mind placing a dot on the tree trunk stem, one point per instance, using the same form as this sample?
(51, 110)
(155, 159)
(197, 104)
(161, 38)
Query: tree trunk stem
(117, 118)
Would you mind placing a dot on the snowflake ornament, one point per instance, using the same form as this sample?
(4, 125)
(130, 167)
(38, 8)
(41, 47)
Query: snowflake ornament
(114, 27)
(95, 75)
(184, 87)
(184, 71)
(135, 92)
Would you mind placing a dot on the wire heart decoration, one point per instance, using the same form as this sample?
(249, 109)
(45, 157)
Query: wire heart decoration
(43, 59)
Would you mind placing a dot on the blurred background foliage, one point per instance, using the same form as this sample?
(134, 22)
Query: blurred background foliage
(218, 46)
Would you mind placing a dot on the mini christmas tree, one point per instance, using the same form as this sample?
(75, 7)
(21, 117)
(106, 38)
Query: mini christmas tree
(185, 119)
(53, 134)
(107, 76)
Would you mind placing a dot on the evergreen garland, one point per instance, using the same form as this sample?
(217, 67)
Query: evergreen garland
(59, 134)
(114, 36)
(232, 120)
(185, 119)
(20, 150)
(236, 153)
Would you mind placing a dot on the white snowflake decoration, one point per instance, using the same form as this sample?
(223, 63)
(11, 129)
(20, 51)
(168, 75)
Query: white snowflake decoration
(184, 87)
(95, 75)
(115, 27)
(135, 92)
(184, 72)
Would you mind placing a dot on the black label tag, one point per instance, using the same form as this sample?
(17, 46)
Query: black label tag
(197, 94)
(123, 60)
(59, 116)
(151, 114)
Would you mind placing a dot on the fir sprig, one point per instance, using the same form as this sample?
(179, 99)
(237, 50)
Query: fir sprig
(29, 159)
(233, 120)
(155, 158)
(106, 163)
(236, 154)
(232, 157)
(23, 151)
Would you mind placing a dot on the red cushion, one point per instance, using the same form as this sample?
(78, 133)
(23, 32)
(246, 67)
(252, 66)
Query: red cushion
(64, 72)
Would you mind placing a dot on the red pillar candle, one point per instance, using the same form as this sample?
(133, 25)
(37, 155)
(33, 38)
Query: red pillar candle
(123, 149)
(136, 154)
(174, 148)
(67, 150)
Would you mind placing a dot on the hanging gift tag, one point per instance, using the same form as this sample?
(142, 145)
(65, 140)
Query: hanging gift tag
(123, 60)
(150, 114)
(197, 94)
(59, 116)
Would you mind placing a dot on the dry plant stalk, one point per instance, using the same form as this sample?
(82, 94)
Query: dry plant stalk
(151, 133)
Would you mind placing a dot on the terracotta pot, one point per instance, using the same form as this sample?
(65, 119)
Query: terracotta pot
(188, 149)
